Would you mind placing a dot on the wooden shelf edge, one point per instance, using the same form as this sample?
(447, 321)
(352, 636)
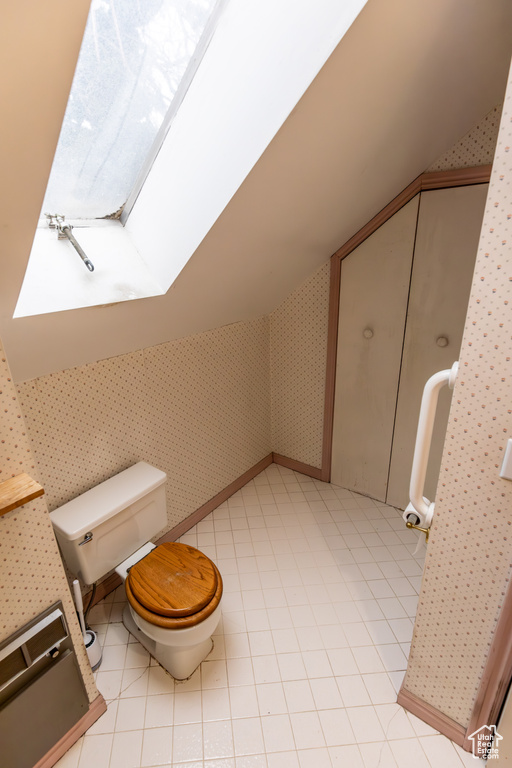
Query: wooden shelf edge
(17, 491)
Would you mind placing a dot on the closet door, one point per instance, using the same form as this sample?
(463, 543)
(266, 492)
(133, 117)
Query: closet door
(373, 304)
(449, 226)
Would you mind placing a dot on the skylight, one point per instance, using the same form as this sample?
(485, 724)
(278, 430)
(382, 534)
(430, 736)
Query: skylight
(252, 62)
(135, 61)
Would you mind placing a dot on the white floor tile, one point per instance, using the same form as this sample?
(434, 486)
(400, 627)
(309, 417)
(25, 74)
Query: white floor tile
(408, 752)
(159, 711)
(380, 688)
(336, 727)
(277, 733)
(134, 682)
(216, 704)
(440, 751)
(157, 747)
(313, 758)
(291, 666)
(131, 714)
(109, 683)
(218, 739)
(353, 691)
(244, 702)
(187, 742)
(283, 760)
(271, 699)
(320, 593)
(248, 736)
(159, 681)
(379, 755)
(126, 750)
(365, 724)
(394, 721)
(187, 707)
(307, 730)
(96, 751)
(298, 696)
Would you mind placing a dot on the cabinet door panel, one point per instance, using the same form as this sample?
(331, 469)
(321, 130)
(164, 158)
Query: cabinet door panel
(449, 226)
(374, 288)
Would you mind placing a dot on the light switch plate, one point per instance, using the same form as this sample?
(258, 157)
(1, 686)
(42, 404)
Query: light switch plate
(506, 467)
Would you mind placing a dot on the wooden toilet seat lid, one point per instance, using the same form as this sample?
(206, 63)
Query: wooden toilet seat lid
(173, 580)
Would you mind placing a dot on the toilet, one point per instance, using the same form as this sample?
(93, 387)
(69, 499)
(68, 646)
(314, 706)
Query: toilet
(173, 590)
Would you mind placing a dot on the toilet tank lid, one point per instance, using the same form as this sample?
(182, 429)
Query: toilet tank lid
(105, 500)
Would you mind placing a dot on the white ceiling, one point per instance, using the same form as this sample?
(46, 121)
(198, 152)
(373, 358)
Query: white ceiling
(407, 81)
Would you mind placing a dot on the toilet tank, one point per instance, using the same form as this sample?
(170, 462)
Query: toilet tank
(122, 514)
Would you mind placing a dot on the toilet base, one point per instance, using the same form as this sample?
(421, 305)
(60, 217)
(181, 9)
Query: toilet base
(180, 662)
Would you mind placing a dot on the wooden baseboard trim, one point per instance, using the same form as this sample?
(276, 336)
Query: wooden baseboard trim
(103, 589)
(213, 503)
(298, 466)
(433, 717)
(96, 709)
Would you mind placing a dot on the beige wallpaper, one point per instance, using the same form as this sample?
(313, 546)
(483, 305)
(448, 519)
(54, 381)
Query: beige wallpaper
(475, 148)
(31, 572)
(298, 353)
(468, 561)
(197, 408)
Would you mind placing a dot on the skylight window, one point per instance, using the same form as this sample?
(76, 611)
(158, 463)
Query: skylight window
(221, 87)
(134, 66)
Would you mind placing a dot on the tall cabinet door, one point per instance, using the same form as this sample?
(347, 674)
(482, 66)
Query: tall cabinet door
(449, 226)
(374, 286)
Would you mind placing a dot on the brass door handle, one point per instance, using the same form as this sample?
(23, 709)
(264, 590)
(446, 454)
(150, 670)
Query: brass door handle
(426, 531)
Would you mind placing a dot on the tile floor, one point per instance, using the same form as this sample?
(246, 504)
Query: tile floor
(320, 593)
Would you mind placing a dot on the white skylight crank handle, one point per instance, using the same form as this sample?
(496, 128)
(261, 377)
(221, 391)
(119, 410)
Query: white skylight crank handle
(56, 221)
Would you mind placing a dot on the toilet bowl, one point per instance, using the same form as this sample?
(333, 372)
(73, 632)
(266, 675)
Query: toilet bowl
(174, 593)
(173, 590)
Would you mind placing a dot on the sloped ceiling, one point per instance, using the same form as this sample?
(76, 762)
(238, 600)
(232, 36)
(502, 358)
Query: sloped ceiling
(407, 81)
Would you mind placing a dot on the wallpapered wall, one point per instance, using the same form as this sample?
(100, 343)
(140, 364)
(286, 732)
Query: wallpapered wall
(31, 572)
(467, 569)
(197, 408)
(298, 353)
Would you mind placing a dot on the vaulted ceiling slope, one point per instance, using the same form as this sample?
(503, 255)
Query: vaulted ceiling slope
(405, 83)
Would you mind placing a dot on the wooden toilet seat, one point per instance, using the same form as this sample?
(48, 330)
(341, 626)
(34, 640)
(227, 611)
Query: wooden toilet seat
(174, 586)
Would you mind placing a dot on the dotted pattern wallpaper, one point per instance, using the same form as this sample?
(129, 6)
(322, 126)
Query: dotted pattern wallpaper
(31, 572)
(475, 148)
(469, 556)
(197, 408)
(298, 354)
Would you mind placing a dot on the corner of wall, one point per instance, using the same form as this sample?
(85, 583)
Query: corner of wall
(476, 147)
(298, 356)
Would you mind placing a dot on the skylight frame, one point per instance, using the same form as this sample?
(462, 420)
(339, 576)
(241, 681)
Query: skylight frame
(183, 87)
(90, 207)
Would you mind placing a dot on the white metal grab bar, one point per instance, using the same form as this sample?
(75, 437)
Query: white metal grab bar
(424, 507)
